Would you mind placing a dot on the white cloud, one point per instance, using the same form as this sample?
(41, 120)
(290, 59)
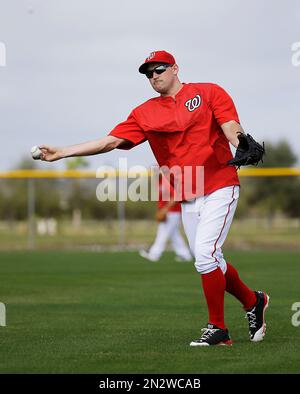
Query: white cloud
(72, 65)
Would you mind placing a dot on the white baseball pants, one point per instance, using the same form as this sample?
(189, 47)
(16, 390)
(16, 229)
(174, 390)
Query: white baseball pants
(206, 221)
(170, 229)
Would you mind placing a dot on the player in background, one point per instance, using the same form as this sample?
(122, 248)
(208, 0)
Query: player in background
(190, 125)
(169, 217)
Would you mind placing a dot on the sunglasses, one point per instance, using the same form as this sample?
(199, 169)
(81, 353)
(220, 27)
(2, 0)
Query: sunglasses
(157, 70)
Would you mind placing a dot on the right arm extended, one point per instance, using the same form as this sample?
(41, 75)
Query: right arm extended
(102, 145)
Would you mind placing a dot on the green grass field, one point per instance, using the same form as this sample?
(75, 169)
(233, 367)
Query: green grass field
(246, 234)
(115, 313)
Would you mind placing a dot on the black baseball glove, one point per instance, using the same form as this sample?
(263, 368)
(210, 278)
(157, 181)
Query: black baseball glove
(248, 152)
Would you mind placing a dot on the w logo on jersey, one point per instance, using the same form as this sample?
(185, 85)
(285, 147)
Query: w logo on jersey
(193, 103)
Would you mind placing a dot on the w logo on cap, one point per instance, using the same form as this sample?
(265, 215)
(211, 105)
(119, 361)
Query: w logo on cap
(151, 56)
(193, 103)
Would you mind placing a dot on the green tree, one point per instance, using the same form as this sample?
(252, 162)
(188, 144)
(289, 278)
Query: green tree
(76, 163)
(78, 196)
(268, 195)
(14, 195)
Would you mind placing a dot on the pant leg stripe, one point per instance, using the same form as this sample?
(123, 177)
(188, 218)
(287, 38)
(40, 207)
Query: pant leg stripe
(215, 245)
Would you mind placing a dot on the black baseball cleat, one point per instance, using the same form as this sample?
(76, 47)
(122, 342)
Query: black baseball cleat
(212, 335)
(256, 317)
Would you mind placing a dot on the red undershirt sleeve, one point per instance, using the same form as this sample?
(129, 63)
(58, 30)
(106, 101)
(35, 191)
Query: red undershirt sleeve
(222, 105)
(130, 131)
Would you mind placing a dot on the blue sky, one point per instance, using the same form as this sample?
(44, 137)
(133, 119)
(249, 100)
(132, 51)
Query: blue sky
(71, 72)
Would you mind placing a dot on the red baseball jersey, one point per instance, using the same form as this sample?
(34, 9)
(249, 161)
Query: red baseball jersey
(165, 192)
(186, 132)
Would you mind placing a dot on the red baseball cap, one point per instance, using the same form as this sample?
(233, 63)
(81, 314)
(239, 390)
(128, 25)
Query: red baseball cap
(157, 57)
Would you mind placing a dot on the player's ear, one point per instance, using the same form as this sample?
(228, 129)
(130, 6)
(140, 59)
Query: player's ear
(175, 69)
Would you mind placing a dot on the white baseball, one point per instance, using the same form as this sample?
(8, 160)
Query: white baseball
(36, 152)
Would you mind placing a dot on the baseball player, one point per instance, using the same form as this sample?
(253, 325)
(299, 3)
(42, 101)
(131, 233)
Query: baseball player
(190, 125)
(169, 217)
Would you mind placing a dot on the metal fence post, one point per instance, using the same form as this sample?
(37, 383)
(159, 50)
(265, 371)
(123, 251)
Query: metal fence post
(2, 314)
(31, 213)
(121, 223)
